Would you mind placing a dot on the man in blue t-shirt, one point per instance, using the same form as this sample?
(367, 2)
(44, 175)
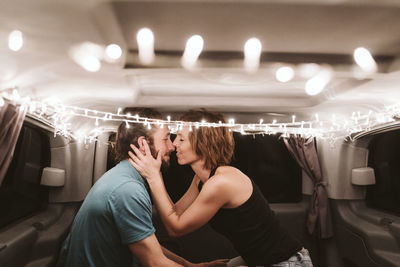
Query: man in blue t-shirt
(114, 224)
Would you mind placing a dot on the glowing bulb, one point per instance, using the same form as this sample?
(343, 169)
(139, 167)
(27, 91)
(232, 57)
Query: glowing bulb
(32, 107)
(364, 59)
(316, 84)
(308, 70)
(145, 41)
(252, 53)
(15, 94)
(87, 55)
(193, 48)
(284, 74)
(91, 64)
(113, 52)
(15, 40)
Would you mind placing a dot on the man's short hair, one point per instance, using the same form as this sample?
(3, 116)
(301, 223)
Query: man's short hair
(126, 136)
(215, 145)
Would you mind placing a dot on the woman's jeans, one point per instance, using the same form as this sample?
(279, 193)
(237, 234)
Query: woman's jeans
(300, 259)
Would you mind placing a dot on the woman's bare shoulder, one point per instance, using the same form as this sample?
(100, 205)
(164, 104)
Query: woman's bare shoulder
(228, 171)
(228, 175)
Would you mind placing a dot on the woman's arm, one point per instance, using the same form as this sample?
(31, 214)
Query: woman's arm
(204, 207)
(191, 194)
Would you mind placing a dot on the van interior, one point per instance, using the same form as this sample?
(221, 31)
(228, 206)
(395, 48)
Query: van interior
(293, 78)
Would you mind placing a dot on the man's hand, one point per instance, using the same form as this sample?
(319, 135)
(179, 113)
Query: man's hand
(221, 262)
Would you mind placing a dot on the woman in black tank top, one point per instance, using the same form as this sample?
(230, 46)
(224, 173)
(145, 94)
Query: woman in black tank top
(221, 195)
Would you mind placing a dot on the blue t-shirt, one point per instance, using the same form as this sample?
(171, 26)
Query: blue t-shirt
(116, 212)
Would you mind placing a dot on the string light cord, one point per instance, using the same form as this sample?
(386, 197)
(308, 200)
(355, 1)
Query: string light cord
(58, 116)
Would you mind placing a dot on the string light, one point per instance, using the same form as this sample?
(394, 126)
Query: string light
(57, 116)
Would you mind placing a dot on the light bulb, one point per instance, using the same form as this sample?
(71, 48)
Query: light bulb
(145, 41)
(252, 53)
(91, 64)
(113, 52)
(284, 74)
(193, 48)
(15, 40)
(316, 84)
(364, 59)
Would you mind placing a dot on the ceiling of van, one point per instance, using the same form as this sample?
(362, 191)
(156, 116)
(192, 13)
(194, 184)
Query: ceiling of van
(292, 32)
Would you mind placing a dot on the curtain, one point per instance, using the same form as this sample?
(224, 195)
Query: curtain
(319, 221)
(11, 119)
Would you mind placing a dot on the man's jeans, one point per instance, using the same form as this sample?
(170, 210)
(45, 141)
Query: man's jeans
(300, 259)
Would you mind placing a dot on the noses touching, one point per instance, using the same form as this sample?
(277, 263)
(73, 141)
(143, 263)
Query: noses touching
(176, 146)
(171, 147)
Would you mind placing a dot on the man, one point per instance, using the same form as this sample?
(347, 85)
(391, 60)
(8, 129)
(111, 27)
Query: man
(114, 224)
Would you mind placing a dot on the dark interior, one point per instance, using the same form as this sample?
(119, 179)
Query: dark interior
(20, 193)
(264, 158)
(384, 158)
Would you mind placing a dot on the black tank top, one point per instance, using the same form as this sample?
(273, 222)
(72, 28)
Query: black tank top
(254, 231)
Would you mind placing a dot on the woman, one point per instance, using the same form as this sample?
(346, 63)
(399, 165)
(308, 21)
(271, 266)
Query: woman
(219, 194)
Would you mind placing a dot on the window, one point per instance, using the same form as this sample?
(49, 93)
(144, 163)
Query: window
(264, 158)
(384, 158)
(20, 193)
(110, 153)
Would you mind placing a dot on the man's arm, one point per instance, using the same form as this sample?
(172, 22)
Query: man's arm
(149, 253)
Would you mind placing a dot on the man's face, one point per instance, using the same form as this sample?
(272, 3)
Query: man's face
(162, 142)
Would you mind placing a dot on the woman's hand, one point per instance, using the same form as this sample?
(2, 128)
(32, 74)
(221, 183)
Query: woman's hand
(146, 164)
(209, 264)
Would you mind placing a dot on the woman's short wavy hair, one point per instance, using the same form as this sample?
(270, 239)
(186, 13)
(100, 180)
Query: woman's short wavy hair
(214, 145)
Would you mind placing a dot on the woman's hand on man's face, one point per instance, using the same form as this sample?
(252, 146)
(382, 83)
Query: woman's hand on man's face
(145, 164)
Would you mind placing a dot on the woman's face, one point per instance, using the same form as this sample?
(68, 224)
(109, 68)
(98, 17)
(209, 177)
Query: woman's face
(184, 151)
